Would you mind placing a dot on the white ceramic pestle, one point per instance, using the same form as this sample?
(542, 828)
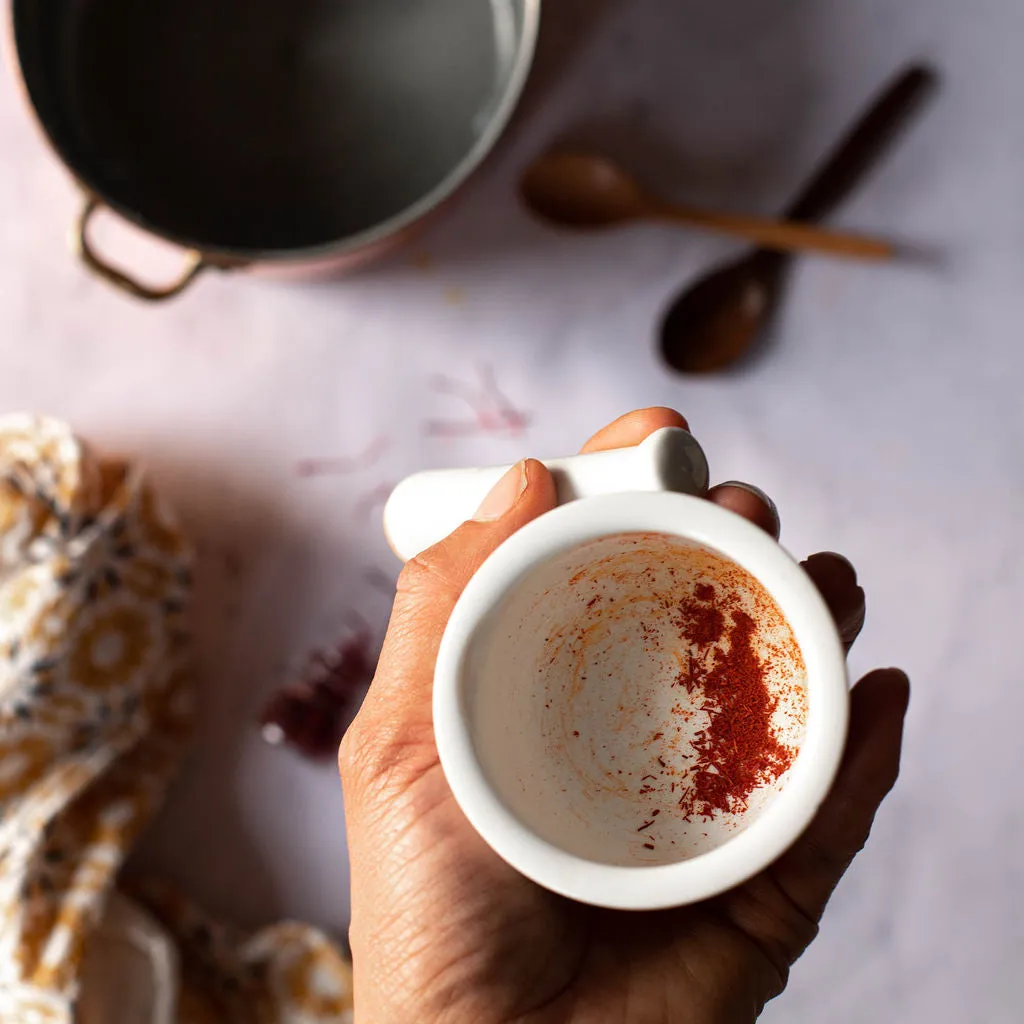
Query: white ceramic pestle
(426, 507)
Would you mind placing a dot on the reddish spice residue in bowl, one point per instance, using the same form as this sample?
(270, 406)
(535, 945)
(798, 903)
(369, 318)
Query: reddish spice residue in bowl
(685, 671)
(738, 750)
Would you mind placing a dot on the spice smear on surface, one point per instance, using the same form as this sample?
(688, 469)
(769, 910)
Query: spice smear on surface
(738, 750)
(310, 715)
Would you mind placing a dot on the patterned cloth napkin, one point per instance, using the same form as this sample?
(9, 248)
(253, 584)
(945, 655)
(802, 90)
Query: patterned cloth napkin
(96, 707)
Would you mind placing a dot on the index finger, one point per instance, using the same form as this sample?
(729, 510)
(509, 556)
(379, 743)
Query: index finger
(629, 430)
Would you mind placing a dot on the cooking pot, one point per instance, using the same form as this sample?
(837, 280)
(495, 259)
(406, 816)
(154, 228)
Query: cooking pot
(305, 133)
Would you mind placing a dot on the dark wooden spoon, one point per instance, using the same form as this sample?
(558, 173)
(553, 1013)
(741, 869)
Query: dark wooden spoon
(716, 320)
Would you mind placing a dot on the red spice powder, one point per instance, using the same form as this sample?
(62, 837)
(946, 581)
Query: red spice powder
(738, 751)
(311, 714)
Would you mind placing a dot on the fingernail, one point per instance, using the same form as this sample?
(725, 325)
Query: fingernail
(756, 491)
(760, 495)
(841, 563)
(504, 495)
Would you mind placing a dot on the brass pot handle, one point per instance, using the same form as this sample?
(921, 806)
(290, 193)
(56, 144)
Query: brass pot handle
(195, 265)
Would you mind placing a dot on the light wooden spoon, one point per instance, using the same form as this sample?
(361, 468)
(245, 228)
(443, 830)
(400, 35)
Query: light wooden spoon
(584, 190)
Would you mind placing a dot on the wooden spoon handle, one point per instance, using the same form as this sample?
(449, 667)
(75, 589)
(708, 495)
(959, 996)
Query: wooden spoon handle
(778, 234)
(864, 144)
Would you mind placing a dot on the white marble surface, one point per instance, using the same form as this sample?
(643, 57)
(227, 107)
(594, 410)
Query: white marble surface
(887, 422)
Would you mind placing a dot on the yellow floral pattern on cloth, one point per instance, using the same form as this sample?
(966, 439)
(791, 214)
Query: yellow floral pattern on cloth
(96, 701)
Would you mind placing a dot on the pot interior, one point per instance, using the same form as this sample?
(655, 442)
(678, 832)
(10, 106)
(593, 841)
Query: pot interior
(257, 126)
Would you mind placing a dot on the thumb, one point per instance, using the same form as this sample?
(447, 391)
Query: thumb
(397, 709)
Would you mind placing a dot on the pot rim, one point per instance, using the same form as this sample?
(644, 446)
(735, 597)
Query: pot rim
(226, 256)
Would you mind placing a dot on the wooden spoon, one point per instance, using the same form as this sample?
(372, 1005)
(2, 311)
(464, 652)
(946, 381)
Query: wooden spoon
(716, 320)
(584, 190)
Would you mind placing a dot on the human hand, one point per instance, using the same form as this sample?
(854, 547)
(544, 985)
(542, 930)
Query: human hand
(445, 932)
